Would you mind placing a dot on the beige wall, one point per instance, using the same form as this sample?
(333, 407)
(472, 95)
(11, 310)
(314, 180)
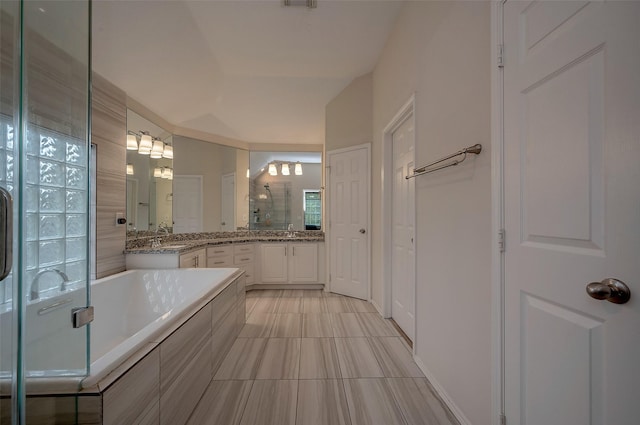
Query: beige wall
(108, 132)
(194, 157)
(440, 51)
(349, 115)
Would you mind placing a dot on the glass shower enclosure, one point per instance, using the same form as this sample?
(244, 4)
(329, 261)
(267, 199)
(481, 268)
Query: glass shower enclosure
(44, 198)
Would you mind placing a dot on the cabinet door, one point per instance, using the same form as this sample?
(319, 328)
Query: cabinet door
(194, 259)
(201, 262)
(187, 261)
(303, 262)
(273, 263)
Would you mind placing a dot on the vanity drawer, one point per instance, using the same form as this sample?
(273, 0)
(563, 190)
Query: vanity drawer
(243, 249)
(220, 261)
(214, 251)
(242, 259)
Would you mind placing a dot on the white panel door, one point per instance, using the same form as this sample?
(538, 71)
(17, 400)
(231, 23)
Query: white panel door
(403, 287)
(187, 204)
(572, 205)
(349, 218)
(228, 203)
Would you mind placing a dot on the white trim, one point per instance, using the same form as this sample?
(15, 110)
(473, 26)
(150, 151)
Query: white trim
(377, 307)
(235, 199)
(407, 110)
(440, 391)
(367, 148)
(497, 217)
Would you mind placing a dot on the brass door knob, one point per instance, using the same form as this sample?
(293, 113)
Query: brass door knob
(609, 289)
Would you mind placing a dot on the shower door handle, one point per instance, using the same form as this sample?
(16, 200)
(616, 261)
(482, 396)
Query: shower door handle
(6, 224)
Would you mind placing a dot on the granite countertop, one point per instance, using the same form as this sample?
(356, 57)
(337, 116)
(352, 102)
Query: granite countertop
(185, 242)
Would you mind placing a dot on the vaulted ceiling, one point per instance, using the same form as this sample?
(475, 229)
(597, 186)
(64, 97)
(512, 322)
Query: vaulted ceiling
(249, 70)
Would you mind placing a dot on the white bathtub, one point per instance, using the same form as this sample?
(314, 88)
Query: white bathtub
(132, 309)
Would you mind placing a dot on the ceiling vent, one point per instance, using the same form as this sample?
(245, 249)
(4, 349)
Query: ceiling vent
(311, 4)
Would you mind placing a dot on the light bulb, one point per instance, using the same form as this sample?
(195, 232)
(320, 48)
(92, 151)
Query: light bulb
(248, 173)
(298, 169)
(168, 152)
(157, 172)
(273, 171)
(130, 169)
(155, 154)
(285, 169)
(132, 142)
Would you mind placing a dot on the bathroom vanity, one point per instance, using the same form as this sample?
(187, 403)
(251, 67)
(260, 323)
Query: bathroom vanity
(267, 258)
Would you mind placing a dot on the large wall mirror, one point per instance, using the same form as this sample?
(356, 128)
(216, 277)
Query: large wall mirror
(285, 189)
(184, 185)
(149, 175)
(210, 186)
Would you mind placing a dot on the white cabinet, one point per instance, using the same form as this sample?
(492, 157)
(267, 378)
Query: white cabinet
(289, 263)
(273, 263)
(303, 262)
(194, 259)
(220, 256)
(243, 258)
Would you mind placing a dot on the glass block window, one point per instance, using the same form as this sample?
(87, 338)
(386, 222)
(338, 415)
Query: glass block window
(312, 210)
(56, 209)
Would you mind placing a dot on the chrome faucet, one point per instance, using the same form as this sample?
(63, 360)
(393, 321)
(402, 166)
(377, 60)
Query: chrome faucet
(156, 239)
(290, 232)
(34, 293)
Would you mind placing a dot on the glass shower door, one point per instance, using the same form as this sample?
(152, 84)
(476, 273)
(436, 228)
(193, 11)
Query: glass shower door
(44, 164)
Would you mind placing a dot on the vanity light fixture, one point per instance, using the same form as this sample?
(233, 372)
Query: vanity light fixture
(146, 143)
(285, 169)
(273, 171)
(166, 173)
(298, 169)
(132, 142)
(157, 149)
(168, 152)
(248, 173)
(129, 169)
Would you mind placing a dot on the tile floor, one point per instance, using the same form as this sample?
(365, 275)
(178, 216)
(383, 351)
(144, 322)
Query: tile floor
(306, 357)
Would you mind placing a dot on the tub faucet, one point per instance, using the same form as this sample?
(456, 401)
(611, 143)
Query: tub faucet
(34, 293)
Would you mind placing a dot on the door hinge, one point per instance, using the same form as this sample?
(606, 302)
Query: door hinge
(503, 419)
(500, 56)
(501, 240)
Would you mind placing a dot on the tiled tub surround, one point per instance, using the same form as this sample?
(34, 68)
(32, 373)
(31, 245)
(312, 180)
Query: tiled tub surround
(156, 341)
(140, 242)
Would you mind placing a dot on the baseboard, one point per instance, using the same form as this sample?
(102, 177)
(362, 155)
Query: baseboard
(442, 393)
(378, 308)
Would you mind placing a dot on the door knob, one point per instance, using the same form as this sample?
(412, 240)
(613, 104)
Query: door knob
(609, 289)
(363, 231)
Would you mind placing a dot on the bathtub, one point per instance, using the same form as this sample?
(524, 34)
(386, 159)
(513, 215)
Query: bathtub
(132, 310)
